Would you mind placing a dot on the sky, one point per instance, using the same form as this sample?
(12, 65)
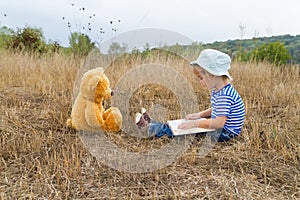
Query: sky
(201, 21)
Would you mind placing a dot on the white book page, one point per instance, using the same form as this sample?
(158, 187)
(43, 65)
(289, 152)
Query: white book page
(175, 123)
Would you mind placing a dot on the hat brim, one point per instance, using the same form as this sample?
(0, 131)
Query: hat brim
(228, 75)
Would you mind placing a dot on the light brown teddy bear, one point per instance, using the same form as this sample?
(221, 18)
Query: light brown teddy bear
(88, 113)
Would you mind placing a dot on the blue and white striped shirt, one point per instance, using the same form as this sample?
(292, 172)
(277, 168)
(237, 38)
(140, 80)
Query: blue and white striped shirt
(227, 102)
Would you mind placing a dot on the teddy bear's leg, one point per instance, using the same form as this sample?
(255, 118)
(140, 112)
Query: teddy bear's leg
(112, 119)
(93, 116)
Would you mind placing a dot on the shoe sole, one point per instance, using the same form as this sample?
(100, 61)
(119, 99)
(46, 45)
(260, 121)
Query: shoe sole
(138, 117)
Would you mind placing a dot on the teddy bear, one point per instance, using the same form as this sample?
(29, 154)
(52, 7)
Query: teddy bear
(88, 113)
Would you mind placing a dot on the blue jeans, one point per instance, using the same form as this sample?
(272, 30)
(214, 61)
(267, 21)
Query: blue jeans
(225, 136)
(159, 129)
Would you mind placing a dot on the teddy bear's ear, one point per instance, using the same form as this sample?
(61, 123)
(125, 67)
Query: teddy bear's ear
(93, 82)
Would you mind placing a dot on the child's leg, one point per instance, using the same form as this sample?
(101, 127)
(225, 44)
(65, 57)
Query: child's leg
(153, 128)
(159, 129)
(225, 136)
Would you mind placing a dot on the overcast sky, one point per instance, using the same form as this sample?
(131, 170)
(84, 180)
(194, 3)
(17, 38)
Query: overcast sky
(200, 20)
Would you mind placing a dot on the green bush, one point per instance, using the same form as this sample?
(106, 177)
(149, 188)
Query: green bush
(274, 53)
(5, 36)
(80, 44)
(27, 39)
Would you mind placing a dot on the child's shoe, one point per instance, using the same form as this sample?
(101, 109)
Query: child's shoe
(140, 121)
(146, 115)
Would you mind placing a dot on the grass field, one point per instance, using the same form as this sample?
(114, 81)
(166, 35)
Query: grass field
(40, 158)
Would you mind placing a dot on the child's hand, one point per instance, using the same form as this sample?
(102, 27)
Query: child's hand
(188, 124)
(192, 116)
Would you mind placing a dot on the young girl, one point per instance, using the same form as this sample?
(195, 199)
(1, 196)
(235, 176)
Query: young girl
(227, 112)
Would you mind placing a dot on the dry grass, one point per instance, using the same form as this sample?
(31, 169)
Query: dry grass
(41, 159)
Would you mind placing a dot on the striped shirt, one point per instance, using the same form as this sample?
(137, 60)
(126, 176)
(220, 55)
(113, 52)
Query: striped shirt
(227, 102)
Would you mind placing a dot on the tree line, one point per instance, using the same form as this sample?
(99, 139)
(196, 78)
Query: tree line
(31, 40)
(288, 45)
(278, 50)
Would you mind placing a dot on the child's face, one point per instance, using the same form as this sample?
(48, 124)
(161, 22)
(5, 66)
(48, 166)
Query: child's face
(205, 78)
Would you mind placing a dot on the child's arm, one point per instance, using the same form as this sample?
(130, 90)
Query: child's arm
(203, 114)
(215, 123)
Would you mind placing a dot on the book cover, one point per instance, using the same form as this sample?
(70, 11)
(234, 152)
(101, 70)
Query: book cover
(173, 124)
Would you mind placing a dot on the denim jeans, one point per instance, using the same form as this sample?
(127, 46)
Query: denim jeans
(159, 129)
(225, 136)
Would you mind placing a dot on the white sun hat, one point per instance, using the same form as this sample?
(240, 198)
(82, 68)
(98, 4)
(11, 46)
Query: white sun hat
(215, 62)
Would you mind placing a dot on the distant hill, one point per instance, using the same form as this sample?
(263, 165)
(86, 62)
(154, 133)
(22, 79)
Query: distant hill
(292, 44)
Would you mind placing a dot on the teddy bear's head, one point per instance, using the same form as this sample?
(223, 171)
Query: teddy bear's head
(95, 85)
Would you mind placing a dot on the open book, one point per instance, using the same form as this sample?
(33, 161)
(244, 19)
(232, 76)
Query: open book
(173, 124)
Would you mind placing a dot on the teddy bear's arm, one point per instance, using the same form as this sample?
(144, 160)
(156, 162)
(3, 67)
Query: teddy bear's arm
(93, 115)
